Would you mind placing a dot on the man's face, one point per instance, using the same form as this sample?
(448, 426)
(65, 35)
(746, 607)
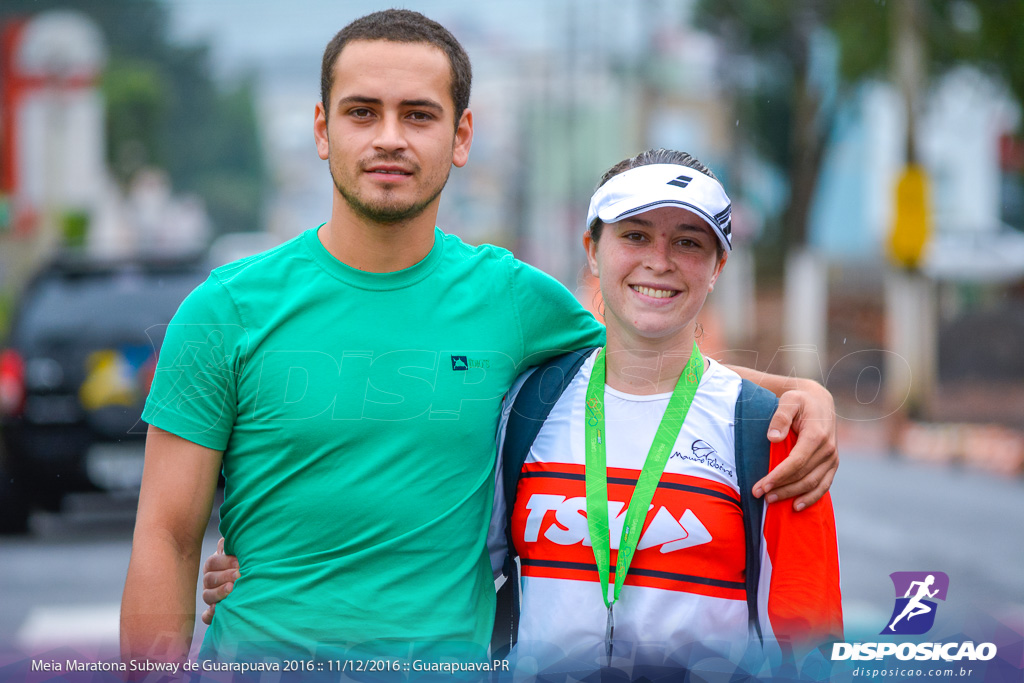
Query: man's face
(390, 137)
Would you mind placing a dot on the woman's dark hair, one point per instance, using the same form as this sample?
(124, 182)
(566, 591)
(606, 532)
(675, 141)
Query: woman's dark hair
(401, 26)
(653, 156)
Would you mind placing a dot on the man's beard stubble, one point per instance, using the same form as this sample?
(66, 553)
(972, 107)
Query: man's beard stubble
(384, 213)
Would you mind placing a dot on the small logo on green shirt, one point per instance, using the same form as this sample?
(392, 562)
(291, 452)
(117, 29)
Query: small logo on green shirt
(464, 363)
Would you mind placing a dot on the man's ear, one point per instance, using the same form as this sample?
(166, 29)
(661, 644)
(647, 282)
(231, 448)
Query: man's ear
(323, 147)
(463, 139)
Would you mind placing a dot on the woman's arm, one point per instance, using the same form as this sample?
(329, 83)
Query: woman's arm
(800, 569)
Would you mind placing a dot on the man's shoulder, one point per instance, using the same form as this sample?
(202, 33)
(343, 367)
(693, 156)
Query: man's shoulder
(487, 258)
(480, 254)
(270, 263)
(253, 281)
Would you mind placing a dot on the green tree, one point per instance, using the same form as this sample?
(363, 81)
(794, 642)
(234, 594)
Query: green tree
(791, 116)
(164, 109)
(137, 100)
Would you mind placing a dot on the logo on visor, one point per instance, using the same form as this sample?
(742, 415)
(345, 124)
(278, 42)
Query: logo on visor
(681, 181)
(914, 613)
(724, 219)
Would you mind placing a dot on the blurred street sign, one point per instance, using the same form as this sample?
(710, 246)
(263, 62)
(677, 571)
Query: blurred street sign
(911, 226)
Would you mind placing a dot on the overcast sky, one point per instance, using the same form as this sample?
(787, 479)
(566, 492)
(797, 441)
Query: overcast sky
(262, 33)
(256, 32)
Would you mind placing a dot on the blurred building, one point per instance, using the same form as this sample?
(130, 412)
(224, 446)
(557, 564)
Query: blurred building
(973, 264)
(55, 188)
(51, 134)
(966, 119)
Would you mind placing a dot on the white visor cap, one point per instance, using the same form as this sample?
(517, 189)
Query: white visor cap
(644, 188)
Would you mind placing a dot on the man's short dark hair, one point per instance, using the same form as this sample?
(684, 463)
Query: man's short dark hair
(401, 26)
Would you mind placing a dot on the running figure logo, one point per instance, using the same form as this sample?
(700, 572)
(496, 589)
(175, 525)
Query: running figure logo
(914, 613)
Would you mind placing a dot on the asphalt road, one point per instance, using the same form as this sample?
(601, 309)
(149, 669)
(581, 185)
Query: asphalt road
(61, 587)
(896, 515)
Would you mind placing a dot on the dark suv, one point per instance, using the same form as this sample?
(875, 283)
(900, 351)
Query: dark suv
(74, 376)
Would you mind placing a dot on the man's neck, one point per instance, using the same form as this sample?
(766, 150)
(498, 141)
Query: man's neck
(645, 369)
(376, 247)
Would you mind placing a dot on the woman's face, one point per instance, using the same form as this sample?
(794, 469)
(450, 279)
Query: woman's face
(656, 270)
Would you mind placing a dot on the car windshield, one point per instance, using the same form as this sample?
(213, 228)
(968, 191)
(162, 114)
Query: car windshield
(103, 305)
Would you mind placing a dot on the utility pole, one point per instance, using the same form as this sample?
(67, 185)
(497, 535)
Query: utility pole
(911, 317)
(805, 288)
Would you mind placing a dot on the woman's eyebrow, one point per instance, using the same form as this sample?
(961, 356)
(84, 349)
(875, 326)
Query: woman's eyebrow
(690, 227)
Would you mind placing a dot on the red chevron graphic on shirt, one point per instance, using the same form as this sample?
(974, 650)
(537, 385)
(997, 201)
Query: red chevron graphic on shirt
(692, 539)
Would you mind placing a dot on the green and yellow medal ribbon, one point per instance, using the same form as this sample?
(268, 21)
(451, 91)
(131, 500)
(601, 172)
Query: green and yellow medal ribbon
(640, 501)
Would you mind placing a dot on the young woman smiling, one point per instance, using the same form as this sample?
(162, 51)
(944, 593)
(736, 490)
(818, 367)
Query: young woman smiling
(643, 438)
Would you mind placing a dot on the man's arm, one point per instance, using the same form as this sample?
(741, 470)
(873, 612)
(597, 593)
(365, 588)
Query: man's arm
(807, 408)
(220, 571)
(158, 606)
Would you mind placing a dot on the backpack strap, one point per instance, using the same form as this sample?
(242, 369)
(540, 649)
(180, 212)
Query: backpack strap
(530, 409)
(754, 410)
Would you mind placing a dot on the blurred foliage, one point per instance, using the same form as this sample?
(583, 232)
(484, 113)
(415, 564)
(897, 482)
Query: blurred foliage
(987, 34)
(136, 102)
(790, 115)
(164, 109)
(7, 303)
(74, 225)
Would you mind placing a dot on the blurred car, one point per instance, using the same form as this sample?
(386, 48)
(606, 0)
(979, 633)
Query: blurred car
(74, 376)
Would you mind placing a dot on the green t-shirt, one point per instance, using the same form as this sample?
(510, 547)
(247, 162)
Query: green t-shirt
(357, 412)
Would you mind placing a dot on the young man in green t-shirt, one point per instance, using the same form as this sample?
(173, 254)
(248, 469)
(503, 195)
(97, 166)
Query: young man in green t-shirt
(349, 383)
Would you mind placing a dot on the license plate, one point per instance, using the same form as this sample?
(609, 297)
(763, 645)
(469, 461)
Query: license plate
(115, 466)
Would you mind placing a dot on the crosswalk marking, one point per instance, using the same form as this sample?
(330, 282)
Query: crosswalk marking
(44, 626)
